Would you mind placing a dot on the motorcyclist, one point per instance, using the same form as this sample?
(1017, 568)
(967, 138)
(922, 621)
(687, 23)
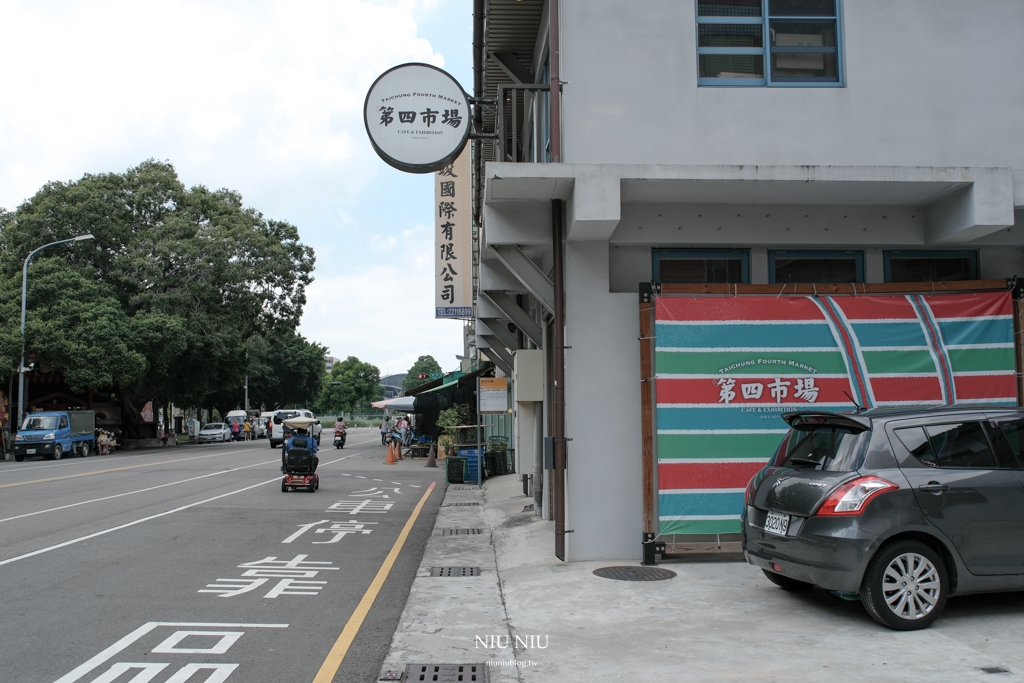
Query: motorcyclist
(340, 427)
(300, 439)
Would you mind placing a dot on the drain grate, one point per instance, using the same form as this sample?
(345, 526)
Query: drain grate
(995, 670)
(447, 673)
(461, 532)
(463, 505)
(465, 488)
(634, 573)
(455, 571)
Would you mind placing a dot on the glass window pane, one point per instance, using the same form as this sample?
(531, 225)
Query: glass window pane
(915, 441)
(929, 269)
(1006, 439)
(793, 66)
(962, 445)
(728, 8)
(803, 33)
(730, 35)
(700, 270)
(815, 269)
(802, 8)
(731, 66)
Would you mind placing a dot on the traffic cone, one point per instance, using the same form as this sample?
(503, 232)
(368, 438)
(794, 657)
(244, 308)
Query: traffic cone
(398, 450)
(391, 455)
(432, 458)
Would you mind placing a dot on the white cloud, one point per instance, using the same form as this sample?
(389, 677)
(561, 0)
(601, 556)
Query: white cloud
(384, 310)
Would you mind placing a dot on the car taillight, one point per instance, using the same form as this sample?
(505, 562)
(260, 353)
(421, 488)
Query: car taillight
(852, 497)
(748, 495)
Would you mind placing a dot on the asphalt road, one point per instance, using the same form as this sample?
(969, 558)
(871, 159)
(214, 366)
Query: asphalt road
(189, 565)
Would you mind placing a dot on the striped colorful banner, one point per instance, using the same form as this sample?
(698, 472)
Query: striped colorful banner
(728, 367)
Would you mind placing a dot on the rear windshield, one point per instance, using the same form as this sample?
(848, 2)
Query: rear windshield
(285, 415)
(824, 447)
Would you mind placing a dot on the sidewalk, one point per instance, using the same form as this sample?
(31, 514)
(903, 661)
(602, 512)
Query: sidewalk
(715, 621)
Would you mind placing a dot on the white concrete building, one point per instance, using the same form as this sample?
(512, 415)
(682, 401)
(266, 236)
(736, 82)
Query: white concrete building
(725, 141)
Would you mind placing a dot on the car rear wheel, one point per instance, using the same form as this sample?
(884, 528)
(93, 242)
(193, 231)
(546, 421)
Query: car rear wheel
(786, 583)
(905, 586)
(84, 449)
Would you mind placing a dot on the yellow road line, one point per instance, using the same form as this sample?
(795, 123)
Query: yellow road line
(348, 634)
(115, 469)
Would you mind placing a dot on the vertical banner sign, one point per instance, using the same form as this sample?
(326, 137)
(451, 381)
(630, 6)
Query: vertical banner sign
(493, 395)
(453, 240)
(727, 368)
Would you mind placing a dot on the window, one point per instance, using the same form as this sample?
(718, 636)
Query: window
(701, 266)
(63, 422)
(961, 445)
(828, 448)
(768, 42)
(798, 266)
(1006, 440)
(930, 266)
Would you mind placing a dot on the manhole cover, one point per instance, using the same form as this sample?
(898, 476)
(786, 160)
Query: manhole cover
(446, 673)
(634, 573)
(464, 504)
(456, 571)
(461, 532)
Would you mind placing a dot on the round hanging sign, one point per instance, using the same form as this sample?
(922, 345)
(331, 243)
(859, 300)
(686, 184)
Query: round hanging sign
(417, 117)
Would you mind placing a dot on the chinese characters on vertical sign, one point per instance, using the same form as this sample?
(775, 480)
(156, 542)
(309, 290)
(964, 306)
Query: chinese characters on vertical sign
(453, 255)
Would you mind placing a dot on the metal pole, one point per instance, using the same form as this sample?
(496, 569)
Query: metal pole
(24, 297)
(555, 99)
(247, 393)
(558, 406)
(479, 455)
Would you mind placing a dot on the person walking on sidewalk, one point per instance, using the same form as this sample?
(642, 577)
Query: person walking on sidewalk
(246, 430)
(385, 429)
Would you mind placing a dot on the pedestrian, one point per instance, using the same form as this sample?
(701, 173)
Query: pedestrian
(234, 430)
(385, 429)
(247, 429)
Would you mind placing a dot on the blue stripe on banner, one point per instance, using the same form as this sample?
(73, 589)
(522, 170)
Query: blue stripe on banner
(766, 336)
(889, 334)
(746, 417)
(686, 504)
(976, 331)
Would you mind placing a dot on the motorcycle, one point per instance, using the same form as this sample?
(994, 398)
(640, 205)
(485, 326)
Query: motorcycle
(339, 438)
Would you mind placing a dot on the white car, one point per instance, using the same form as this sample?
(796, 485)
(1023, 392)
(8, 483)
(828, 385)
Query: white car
(215, 431)
(277, 433)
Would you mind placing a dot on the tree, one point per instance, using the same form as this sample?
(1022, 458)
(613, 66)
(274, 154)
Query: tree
(424, 365)
(163, 304)
(351, 383)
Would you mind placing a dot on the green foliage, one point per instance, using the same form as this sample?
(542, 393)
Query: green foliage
(178, 285)
(358, 384)
(424, 365)
(449, 417)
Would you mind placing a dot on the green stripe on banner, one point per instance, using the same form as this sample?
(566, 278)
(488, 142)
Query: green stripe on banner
(683, 446)
(898, 362)
(967, 360)
(749, 362)
(700, 526)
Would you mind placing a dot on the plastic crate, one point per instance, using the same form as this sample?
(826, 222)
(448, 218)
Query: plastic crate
(455, 470)
(472, 457)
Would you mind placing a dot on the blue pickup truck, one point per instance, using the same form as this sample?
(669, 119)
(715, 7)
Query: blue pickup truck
(56, 433)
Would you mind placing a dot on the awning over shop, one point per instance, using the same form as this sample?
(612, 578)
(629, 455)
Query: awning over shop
(400, 403)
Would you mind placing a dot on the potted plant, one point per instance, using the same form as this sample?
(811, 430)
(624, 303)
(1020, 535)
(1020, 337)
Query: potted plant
(446, 440)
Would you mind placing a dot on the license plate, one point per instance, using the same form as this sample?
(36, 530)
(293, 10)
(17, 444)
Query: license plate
(776, 524)
(30, 451)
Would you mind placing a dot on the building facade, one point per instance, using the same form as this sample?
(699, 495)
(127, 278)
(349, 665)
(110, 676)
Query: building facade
(745, 142)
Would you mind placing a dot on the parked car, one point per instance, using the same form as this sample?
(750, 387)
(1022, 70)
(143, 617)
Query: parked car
(215, 431)
(277, 435)
(55, 433)
(267, 418)
(902, 508)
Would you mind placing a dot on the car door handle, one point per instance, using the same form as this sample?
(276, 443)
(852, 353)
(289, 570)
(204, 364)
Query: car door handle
(934, 487)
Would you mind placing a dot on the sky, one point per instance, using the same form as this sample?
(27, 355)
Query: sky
(264, 97)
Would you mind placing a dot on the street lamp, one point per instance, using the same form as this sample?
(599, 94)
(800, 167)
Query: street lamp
(24, 292)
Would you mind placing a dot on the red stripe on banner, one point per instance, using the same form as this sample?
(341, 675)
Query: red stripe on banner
(706, 475)
(986, 386)
(970, 305)
(875, 308)
(743, 308)
(758, 390)
(912, 389)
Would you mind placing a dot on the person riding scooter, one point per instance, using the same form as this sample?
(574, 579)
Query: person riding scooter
(340, 432)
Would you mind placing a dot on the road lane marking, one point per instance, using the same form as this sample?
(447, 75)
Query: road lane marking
(114, 469)
(138, 633)
(123, 455)
(341, 645)
(130, 524)
(129, 493)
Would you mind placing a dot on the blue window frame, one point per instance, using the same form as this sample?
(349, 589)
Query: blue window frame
(701, 266)
(815, 267)
(788, 43)
(907, 265)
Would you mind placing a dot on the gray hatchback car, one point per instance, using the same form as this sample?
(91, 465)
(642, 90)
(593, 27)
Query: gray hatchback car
(901, 507)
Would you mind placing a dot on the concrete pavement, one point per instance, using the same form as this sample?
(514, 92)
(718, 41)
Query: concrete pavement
(715, 621)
